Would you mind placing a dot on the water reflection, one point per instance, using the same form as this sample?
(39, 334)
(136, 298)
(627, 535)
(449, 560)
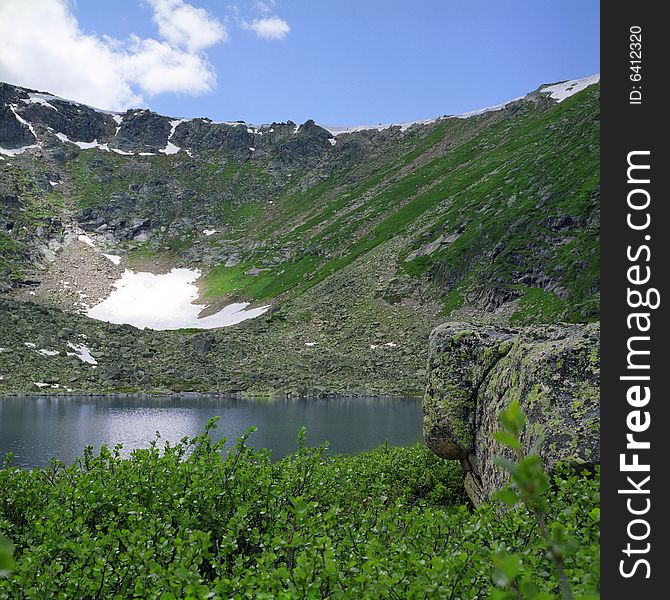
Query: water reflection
(37, 428)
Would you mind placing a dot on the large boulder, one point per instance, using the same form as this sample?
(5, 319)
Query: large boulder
(475, 371)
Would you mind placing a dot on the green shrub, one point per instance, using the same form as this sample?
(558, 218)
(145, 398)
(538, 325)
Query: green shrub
(195, 521)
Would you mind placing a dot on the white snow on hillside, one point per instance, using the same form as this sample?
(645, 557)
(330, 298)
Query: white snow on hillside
(41, 97)
(83, 145)
(118, 119)
(82, 352)
(94, 144)
(15, 151)
(335, 131)
(113, 257)
(170, 148)
(47, 352)
(561, 91)
(20, 119)
(165, 301)
(36, 98)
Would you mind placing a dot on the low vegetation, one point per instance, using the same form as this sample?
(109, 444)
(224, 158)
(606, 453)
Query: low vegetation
(200, 520)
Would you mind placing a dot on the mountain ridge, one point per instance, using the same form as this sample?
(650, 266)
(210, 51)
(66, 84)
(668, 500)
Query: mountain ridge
(360, 247)
(44, 99)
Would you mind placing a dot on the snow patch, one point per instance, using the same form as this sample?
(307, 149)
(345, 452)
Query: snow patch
(49, 97)
(209, 232)
(87, 240)
(42, 99)
(335, 131)
(15, 151)
(113, 257)
(118, 119)
(20, 119)
(83, 145)
(22, 149)
(165, 301)
(170, 148)
(558, 92)
(82, 352)
(45, 352)
(96, 144)
(561, 91)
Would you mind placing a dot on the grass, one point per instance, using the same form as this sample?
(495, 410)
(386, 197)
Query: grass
(486, 185)
(538, 306)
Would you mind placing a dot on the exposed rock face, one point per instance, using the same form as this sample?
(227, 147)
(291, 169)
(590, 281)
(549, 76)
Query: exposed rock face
(476, 371)
(142, 131)
(13, 133)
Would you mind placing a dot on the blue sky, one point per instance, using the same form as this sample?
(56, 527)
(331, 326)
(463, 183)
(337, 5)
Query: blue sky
(347, 62)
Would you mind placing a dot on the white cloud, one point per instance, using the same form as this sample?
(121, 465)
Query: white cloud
(45, 48)
(158, 67)
(269, 28)
(186, 26)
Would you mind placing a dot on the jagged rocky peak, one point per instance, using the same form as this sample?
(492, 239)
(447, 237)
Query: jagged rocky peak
(42, 113)
(29, 117)
(142, 131)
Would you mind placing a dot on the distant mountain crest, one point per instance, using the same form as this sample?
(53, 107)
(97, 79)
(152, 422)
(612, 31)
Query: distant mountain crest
(137, 131)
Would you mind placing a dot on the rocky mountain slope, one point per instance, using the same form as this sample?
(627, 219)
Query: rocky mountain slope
(360, 241)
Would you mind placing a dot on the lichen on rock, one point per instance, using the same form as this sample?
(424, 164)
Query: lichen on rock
(475, 371)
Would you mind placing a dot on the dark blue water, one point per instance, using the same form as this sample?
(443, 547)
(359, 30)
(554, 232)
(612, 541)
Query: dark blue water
(37, 429)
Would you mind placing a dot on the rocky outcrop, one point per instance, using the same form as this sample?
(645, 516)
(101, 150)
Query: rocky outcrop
(142, 131)
(475, 371)
(13, 133)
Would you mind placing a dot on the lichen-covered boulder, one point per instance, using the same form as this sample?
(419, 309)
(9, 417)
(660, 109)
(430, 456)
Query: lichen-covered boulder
(475, 371)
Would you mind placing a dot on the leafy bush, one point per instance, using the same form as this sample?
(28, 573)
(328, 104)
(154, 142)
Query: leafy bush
(529, 486)
(195, 521)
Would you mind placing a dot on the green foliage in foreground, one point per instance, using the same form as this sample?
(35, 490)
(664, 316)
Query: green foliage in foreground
(193, 522)
(529, 485)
